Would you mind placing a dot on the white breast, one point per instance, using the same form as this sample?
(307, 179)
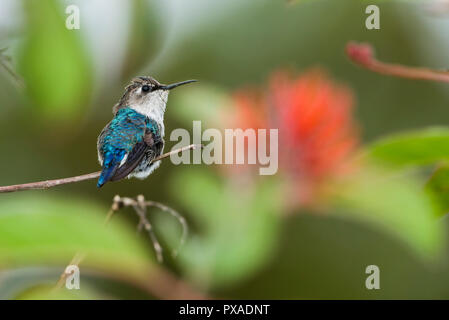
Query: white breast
(153, 107)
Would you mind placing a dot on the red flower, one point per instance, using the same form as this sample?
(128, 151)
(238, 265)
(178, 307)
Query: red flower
(317, 133)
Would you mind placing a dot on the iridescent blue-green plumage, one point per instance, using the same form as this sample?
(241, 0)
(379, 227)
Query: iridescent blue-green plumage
(129, 139)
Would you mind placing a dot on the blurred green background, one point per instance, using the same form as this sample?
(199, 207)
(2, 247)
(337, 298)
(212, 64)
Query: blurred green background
(242, 243)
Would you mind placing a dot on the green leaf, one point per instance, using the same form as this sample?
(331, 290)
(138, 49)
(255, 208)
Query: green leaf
(421, 147)
(237, 229)
(41, 230)
(396, 204)
(53, 63)
(438, 187)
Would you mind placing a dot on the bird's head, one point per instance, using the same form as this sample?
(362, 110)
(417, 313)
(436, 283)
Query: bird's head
(146, 95)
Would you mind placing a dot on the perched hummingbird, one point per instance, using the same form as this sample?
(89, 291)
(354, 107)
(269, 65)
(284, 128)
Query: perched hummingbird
(135, 136)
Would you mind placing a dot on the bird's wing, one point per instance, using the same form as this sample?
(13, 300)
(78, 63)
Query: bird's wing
(121, 143)
(135, 156)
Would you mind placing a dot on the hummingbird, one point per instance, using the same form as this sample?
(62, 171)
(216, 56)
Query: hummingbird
(135, 136)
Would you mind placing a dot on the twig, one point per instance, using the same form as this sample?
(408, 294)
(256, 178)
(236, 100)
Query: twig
(140, 206)
(176, 215)
(141, 209)
(76, 260)
(4, 60)
(57, 182)
(363, 55)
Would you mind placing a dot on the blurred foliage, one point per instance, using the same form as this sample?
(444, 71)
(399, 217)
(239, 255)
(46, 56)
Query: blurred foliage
(47, 230)
(420, 147)
(324, 257)
(54, 64)
(398, 204)
(236, 233)
(438, 187)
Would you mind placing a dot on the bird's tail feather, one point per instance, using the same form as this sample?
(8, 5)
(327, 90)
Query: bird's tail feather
(109, 167)
(106, 174)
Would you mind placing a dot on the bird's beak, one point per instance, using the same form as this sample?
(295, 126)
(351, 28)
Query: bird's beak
(174, 85)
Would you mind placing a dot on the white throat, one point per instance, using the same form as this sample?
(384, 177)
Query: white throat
(153, 107)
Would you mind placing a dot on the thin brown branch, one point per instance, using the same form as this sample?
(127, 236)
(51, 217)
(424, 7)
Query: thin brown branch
(4, 63)
(176, 215)
(141, 210)
(363, 55)
(140, 206)
(57, 182)
(76, 260)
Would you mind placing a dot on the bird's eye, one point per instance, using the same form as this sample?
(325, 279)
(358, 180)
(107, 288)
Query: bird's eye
(145, 88)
